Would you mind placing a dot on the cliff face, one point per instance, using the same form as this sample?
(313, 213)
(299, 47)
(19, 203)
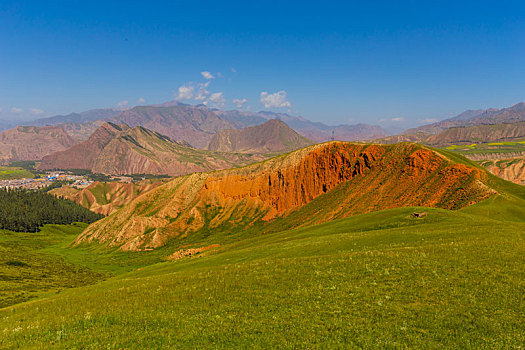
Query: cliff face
(119, 150)
(33, 143)
(326, 181)
(274, 136)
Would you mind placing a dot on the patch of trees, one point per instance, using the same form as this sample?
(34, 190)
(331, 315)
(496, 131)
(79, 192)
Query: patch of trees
(57, 184)
(27, 211)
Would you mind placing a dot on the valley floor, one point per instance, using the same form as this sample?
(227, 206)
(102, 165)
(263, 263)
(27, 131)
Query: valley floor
(452, 279)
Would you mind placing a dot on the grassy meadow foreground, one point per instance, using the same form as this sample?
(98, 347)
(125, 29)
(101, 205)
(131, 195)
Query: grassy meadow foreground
(381, 279)
(451, 278)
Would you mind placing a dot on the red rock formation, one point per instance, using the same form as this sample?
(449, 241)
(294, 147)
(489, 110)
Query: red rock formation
(322, 182)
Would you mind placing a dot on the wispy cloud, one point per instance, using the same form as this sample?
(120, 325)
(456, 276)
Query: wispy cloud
(141, 100)
(36, 111)
(202, 93)
(122, 104)
(398, 119)
(428, 121)
(207, 75)
(275, 100)
(239, 102)
(16, 110)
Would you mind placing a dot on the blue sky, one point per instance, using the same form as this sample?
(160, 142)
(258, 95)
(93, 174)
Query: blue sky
(389, 62)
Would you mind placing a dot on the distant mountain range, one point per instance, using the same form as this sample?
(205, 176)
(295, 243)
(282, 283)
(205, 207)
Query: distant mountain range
(120, 149)
(315, 131)
(512, 114)
(478, 134)
(481, 133)
(77, 118)
(32, 143)
(197, 124)
(274, 136)
(193, 125)
(213, 129)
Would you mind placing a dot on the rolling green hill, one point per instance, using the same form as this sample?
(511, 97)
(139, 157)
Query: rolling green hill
(450, 279)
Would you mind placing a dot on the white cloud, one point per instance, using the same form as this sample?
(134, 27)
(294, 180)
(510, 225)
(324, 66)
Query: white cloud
(233, 70)
(141, 100)
(428, 121)
(276, 100)
(217, 99)
(398, 120)
(16, 110)
(185, 92)
(207, 75)
(240, 103)
(122, 104)
(36, 111)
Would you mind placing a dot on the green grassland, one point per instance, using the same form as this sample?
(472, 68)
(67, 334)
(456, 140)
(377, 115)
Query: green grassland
(12, 173)
(452, 279)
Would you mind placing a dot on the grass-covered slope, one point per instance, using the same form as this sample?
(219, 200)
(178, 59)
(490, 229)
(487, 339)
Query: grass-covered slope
(29, 269)
(312, 185)
(452, 279)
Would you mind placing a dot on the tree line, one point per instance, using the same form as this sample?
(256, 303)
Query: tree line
(27, 211)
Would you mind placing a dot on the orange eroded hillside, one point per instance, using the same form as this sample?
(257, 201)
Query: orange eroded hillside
(353, 178)
(105, 197)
